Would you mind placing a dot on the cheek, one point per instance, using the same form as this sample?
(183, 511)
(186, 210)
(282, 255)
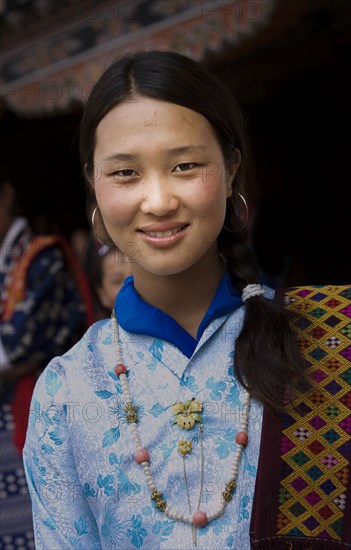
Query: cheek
(114, 206)
(211, 196)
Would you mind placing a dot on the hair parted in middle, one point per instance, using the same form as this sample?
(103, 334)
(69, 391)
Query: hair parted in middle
(171, 77)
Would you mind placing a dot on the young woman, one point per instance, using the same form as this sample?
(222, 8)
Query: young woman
(147, 433)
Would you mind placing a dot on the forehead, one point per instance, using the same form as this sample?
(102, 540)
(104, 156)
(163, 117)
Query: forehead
(129, 122)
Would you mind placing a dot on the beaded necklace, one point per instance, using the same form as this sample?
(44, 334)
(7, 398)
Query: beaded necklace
(142, 456)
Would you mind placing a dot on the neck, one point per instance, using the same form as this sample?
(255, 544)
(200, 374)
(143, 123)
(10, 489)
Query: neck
(184, 296)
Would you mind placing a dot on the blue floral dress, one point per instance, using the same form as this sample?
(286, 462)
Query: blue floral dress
(87, 491)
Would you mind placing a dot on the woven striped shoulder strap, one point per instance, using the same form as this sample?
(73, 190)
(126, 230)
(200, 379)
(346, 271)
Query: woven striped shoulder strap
(303, 490)
(17, 288)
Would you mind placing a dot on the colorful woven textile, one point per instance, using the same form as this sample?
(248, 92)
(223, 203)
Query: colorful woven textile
(308, 505)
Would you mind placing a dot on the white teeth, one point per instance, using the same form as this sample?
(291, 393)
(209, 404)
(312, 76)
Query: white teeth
(163, 233)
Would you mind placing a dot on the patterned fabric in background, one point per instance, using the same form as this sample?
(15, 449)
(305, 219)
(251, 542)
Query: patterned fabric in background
(317, 437)
(44, 309)
(16, 529)
(308, 504)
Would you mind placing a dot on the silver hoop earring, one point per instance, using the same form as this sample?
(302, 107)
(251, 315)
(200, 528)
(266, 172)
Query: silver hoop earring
(93, 216)
(92, 224)
(246, 217)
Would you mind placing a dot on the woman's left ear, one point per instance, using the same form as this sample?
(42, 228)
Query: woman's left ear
(233, 170)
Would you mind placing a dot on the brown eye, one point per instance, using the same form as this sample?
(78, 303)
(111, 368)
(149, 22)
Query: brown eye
(185, 166)
(127, 173)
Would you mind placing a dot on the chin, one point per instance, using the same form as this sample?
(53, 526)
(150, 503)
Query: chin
(169, 268)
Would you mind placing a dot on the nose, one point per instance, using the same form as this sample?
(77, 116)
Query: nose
(159, 197)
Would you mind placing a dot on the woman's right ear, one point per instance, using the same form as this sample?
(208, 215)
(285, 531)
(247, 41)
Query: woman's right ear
(235, 164)
(232, 171)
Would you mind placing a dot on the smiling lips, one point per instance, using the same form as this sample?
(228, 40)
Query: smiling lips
(163, 234)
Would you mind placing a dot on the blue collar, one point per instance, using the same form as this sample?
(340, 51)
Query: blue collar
(137, 316)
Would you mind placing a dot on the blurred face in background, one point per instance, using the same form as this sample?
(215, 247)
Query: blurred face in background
(115, 268)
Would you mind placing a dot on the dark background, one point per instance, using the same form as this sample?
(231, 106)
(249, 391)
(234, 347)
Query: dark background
(292, 82)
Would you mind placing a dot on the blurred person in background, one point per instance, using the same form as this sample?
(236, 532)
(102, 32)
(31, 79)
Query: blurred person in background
(45, 306)
(105, 265)
(107, 269)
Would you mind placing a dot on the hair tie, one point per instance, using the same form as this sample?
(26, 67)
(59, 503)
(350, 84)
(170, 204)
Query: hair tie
(251, 290)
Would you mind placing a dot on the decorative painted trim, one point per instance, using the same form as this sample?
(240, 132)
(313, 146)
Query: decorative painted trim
(50, 74)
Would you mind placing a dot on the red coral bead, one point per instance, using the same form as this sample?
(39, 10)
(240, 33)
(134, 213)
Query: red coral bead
(200, 518)
(120, 369)
(241, 438)
(141, 455)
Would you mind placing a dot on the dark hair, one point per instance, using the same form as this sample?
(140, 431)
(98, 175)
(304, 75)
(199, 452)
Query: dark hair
(267, 360)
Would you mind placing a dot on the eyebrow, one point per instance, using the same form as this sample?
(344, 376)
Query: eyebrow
(169, 152)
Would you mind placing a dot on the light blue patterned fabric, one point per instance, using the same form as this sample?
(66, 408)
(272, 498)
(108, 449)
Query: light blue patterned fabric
(86, 489)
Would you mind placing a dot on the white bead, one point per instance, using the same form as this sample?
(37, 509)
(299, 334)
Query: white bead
(216, 514)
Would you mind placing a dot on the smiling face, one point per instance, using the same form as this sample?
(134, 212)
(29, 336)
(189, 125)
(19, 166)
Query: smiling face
(161, 185)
